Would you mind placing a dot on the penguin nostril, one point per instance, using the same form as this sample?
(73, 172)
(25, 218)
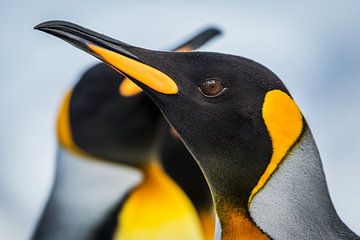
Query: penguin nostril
(212, 88)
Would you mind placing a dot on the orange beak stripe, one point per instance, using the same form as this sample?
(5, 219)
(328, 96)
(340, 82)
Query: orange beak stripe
(143, 73)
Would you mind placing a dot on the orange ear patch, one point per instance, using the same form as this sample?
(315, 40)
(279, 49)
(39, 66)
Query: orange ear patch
(284, 122)
(64, 133)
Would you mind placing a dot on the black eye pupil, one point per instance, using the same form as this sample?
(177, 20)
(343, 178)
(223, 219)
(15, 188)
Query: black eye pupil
(212, 88)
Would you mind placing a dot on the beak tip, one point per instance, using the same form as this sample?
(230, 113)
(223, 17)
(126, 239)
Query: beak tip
(37, 27)
(50, 24)
(44, 25)
(216, 30)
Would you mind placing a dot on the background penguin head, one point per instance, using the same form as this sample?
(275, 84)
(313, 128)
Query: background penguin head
(234, 115)
(108, 125)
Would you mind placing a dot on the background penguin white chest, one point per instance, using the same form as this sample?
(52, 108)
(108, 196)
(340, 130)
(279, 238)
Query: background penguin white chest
(84, 193)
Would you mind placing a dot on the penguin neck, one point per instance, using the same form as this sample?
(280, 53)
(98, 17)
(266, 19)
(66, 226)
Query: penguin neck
(295, 202)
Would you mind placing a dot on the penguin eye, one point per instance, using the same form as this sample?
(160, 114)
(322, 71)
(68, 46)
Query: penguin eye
(212, 88)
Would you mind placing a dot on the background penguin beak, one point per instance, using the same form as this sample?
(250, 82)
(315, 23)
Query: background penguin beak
(121, 56)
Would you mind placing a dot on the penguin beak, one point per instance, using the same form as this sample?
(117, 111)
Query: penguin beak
(126, 59)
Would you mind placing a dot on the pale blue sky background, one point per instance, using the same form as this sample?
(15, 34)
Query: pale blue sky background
(313, 47)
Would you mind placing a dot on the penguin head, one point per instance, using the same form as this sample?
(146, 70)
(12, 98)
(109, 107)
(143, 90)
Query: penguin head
(218, 111)
(234, 115)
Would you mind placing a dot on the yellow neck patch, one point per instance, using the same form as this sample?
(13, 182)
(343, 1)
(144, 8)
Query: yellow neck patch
(158, 209)
(145, 74)
(283, 120)
(64, 129)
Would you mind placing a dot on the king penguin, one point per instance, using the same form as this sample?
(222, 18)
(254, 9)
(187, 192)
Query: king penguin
(108, 182)
(244, 129)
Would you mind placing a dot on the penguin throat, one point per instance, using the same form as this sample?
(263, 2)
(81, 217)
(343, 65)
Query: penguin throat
(237, 224)
(157, 209)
